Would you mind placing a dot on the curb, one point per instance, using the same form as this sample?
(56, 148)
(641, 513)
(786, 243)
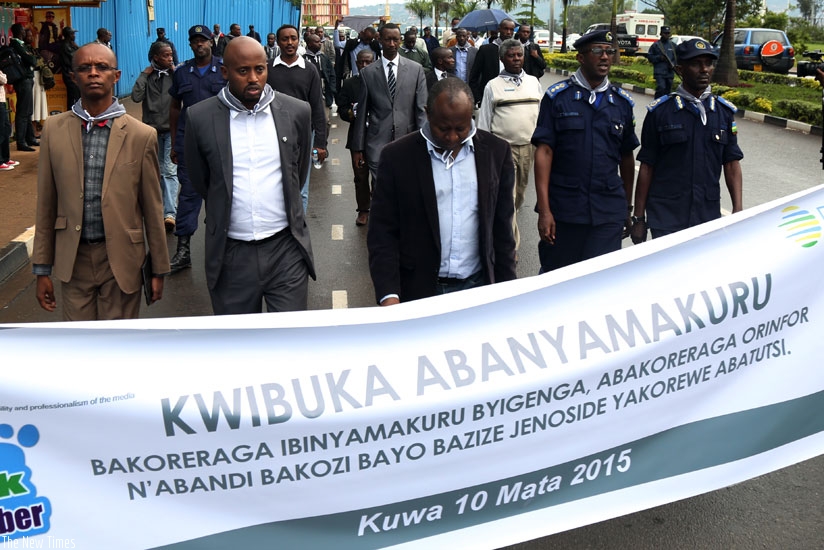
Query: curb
(750, 115)
(16, 254)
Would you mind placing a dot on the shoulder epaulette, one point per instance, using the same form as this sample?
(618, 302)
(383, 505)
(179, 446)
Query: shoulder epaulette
(621, 92)
(555, 89)
(727, 103)
(654, 105)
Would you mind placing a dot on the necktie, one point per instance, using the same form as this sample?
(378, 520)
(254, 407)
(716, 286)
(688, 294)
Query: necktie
(391, 80)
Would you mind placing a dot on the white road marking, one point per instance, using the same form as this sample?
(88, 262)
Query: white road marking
(336, 189)
(340, 300)
(337, 232)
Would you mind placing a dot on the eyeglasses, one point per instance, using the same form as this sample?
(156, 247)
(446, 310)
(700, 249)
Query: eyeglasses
(601, 51)
(99, 67)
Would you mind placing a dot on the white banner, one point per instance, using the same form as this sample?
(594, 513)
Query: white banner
(477, 419)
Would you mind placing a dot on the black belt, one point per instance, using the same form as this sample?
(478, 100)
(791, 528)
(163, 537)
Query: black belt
(92, 241)
(454, 280)
(280, 233)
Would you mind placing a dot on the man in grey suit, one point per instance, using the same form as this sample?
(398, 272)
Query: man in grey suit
(392, 101)
(464, 54)
(257, 242)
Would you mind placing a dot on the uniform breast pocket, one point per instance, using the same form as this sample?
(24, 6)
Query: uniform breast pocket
(570, 123)
(184, 89)
(217, 86)
(671, 135)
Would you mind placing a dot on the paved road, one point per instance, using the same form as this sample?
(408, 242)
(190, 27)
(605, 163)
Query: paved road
(782, 510)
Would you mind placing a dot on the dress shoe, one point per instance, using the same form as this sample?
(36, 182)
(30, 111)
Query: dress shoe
(362, 219)
(33, 143)
(25, 148)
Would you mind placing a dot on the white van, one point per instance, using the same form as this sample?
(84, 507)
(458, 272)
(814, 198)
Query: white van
(646, 26)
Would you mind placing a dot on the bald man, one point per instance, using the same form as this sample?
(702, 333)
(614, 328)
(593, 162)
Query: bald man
(95, 243)
(257, 243)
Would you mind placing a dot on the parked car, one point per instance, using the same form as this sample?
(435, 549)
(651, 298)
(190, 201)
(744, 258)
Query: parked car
(541, 37)
(762, 50)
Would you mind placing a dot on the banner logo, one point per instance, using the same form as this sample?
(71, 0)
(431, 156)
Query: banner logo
(802, 227)
(22, 512)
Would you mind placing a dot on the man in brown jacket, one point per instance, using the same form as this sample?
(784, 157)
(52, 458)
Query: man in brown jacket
(98, 194)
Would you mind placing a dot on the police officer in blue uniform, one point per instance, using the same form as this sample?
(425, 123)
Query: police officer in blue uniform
(662, 56)
(688, 136)
(193, 81)
(584, 137)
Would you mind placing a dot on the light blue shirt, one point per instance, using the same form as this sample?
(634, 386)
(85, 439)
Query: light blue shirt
(456, 189)
(353, 55)
(460, 63)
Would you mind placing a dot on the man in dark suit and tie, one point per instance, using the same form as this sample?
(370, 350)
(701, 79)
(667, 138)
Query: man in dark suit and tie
(444, 66)
(393, 96)
(487, 63)
(464, 54)
(442, 212)
(257, 242)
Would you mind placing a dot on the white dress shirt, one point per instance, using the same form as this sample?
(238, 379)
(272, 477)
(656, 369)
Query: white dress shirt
(258, 205)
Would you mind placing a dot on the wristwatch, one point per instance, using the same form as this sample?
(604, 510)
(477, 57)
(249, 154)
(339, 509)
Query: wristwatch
(636, 219)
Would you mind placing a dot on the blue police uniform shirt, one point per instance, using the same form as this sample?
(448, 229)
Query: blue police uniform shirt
(687, 158)
(587, 141)
(189, 86)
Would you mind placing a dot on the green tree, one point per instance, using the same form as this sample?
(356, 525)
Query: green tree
(460, 8)
(421, 8)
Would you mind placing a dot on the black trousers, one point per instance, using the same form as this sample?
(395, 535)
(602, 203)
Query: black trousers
(23, 131)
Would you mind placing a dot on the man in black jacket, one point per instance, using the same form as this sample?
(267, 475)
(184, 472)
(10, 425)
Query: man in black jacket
(534, 62)
(487, 63)
(23, 130)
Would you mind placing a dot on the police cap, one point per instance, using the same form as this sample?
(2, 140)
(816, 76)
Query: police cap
(596, 37)
(200, 30)
(694, 48)
(665, 29)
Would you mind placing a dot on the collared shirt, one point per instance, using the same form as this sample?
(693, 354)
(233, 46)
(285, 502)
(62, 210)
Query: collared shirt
(95, 143)
(395, 64)
(258, 205)
(461, 57)
(297, 62)
(456, 189)
(439, 74)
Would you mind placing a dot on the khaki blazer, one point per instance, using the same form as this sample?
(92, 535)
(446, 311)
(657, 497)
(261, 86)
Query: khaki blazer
(131, 203)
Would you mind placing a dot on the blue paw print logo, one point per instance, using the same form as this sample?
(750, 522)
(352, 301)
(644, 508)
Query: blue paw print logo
(22, 512)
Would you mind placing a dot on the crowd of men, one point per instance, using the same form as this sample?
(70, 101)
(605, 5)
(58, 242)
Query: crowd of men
(446, 134)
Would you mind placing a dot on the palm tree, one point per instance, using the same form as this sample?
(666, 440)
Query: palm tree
(508, 5)
(421, 8)
(726, 72)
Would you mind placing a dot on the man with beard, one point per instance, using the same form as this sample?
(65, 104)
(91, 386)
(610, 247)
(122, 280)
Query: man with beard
(442, 211)
(292, 75)
(584, 137)
(250, 149)
(197, 79)
(688, 137)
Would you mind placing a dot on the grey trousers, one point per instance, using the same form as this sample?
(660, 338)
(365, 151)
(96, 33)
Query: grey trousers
(271, 270)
